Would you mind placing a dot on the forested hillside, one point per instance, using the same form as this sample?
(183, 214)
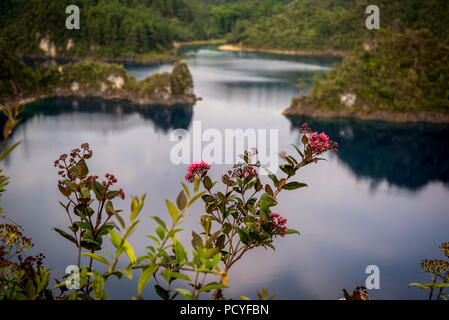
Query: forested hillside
(403, 71)
(122, 28)
(330, 24)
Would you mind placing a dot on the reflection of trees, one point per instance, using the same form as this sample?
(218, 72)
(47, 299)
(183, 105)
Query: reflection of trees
(406, 155)
(164, 118)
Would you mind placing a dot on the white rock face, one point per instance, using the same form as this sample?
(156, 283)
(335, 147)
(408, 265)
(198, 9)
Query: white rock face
(48, 47)
(118, 81)
(69, 44)
(75, 86)
(348, 99)
(103, 86)
(368, 46)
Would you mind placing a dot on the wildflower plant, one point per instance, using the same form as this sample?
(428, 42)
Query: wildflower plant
(88, 202)
(438, 270)
(237, 218)
(359, 293)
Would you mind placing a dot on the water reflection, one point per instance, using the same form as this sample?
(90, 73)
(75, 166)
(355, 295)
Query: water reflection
(344, 225)
(406, 155)
(163, 118)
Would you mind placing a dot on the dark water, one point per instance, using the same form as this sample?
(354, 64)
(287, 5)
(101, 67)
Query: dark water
(382, 200)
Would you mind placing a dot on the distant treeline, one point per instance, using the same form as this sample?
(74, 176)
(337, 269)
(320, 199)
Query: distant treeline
(117, 28)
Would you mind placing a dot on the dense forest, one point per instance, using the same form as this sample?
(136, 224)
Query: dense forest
(122, 28)
(148, 28)
(401, 70)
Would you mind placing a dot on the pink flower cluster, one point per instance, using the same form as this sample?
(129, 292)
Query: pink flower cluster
(361, 290)
(318, 143)
(241, 171)
(278, 223)
(196, 168)
(75, 153)
(110, 180)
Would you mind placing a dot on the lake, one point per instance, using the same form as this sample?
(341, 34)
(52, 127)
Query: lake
(382, 200)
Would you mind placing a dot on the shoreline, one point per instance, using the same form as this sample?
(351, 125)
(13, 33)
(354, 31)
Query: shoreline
(235, 47)
(177, 45)
(308, 110)
(141, 101)
(137, 59)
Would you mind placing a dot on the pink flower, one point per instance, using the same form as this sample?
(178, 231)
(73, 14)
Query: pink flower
(278, 223)
(196, 168)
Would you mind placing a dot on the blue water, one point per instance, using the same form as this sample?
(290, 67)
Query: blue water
(382, 200)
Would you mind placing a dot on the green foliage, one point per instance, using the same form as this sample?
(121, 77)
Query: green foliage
(403, 71)
(93, 78)
(438, 270)
(330, 24)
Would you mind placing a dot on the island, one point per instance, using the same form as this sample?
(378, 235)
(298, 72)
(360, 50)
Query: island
(93, 79)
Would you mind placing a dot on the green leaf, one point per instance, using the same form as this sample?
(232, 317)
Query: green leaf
(8, 151)
(160, 221)
(129, 252)
(160, 232)
(116, 240)
(207, 182)
(297, 149)
(197, 242)
(96, 257)
(293, 185)
(226, 228)
(109, 207)
(98, 190)
(161, 292)
(111, 194)
(180, 252)
(97, 286)
(269, 200)
(174, 213)
(136, 207)
(187, 294)
(292, 231)
(304, 139)
(181, 201)
(131, 229)
(273, 177)
(127, 272)
(243, 234)
(145, 277)
(85, 192)
(194, 198)
(186, 189)
(212, 286)
(180, 276)
(288, 169)
(119, 219)
(196, 184)
(419, 285)
(83, 225)
(65, 235)
(83, 170)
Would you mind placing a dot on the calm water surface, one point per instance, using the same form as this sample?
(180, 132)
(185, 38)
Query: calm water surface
(382, 200)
